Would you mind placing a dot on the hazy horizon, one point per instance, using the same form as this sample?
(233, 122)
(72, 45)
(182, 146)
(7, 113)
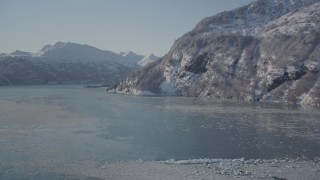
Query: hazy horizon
(142, 26)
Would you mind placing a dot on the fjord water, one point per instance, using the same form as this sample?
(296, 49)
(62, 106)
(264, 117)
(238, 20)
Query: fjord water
(49, 128)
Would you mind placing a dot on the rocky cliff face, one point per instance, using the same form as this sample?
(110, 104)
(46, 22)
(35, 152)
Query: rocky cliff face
(268, 50)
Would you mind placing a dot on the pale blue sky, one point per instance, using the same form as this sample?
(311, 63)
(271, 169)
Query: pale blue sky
(143, 26)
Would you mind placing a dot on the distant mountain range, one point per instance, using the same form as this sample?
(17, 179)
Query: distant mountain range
(268, 50)
(65, 63)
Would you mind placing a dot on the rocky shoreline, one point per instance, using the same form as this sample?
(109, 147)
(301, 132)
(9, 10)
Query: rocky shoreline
(213, 169)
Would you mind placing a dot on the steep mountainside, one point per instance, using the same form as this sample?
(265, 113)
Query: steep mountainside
(268, 50)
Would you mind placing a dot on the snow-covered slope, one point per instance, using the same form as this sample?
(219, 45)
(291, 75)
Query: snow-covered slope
(248, 20)
(73, 52)
(304, 21)
(268, 50)
(131, 55)
(131, 58)
(19, 53)
(147, 59)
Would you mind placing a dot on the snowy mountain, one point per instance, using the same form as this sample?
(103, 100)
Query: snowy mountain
(131, 55)
(139, 59)
(131, 58)
(72, 52)
(147, 59)
(268, 50)
(19, 53)
(65, 63)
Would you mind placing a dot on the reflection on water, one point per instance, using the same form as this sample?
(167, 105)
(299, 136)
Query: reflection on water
(64, 127)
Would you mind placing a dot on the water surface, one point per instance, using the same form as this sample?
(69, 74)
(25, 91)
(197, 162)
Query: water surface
(54, 128)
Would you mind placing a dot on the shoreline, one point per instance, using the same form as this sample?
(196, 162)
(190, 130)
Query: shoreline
(204, 169)
(213, 169)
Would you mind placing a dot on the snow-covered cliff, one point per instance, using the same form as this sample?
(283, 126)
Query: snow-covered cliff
(268, 50)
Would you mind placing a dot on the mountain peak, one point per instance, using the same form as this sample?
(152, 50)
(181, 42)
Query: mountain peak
(61, 44)
(131, 57)
(128, 54)
(46, 47)
(20, 53)
(152, 56)
(73, 52)
(148, 59)
(50, 47)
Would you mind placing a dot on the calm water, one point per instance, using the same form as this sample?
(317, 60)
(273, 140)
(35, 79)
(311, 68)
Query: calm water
(50, 128)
